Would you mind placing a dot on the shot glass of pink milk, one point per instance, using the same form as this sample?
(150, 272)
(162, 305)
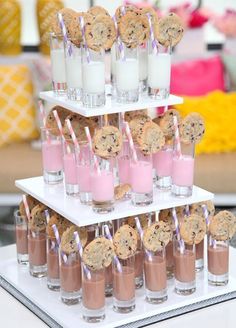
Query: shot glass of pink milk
(162, 162)
(155, 276)
(70, 168)
(21, 238)
(102, 187)
(183, 171)
(52, 156)
(217, 261)
(141, 180)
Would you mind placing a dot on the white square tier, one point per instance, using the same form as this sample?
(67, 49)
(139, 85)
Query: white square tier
(54, 196)
(111, 105)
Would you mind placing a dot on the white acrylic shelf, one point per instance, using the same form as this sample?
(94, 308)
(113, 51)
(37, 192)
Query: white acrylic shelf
(54, 196)
(111, 105)
(35, 295)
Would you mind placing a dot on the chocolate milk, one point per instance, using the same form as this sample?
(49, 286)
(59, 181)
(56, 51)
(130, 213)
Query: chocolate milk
(108, 275)
(37, 249)
(93, 291)
(70, 275)
(155, 273)
(138, 263)
(22, 239)
(169, 255)
(199, 250)
(124, 284)
(53, 264)
(184, 266)
(218, 260)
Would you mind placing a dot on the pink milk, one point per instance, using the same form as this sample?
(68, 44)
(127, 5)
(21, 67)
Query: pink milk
(182, 171)
(162, 162)
(70, 170)
(84, 172)
(141, 177)
(102, 186)
(52, 156)
(124, 169)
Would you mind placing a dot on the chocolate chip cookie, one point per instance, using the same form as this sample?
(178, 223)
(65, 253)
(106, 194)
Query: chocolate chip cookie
(166, 122)
(193, 229)
(130, 115)
(107, 142)
(68, 243)
(121, 10)
(125, 242)
(38, 220)
(121, 191)
(197, 208)
(61, 223)
(157, 236)
(136, 125)
(32, 202)
(151, 139)
(170, 30)
(67, 15)
(192, 128)
(51, 122)
(97, 10)
(223, 225)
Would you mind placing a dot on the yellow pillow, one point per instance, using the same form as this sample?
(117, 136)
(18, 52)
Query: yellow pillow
(219, 111)
(17, 110)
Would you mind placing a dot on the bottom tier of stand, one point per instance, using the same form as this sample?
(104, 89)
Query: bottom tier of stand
(35, 295)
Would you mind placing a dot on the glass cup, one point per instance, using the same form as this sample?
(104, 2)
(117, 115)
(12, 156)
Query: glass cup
(21, 238)
(93, 296)
(53, 273)
(58, 64)
(123, 162)
(143, 67)
(70, 277)
(183, 171)
(141, 180)
(52, 156)
(184, 267)
(93, 78)
(102, 187)
(37, 253)
(159, 68)
(199, 263)
(70, 168)
(73, 61)
(127, 75)
(84, 162)
(162, 162)
(138, 265)
(155, 276)
(108, 270)
(169, 260)
(124, 286)
(113, 69)
(218, 262)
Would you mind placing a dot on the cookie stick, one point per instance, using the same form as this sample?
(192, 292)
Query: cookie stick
(91, 149)
(108, 235)
(181, 242)
(140, 231)
(64, 32)
(80, 249)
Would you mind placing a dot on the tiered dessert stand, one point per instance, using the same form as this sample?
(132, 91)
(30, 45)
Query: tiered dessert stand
(35, 295)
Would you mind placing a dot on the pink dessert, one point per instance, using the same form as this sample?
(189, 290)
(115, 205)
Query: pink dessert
(141, 177)
(162, 162)
(102, 186)
(124, 169)
(84, 178)
(182, 171)
(70, 168)
(52, 156)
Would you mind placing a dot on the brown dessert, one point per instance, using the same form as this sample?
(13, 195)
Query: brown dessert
(184, 266)
(37, 249)
(155, 273)
(124, 284)
(70, 275)
(218, 260)
(93, 291)
(21, 240)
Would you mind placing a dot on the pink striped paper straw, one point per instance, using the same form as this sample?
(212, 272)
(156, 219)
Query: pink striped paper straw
(108, 236)
(152, 37)
(73, 136)
(59, 125)
(80, 249)
(131, 142)
(82, 27)
(176, 222)
(140, 231)
(64, 33)
(27, 210)
(177, 137)
(91, 149)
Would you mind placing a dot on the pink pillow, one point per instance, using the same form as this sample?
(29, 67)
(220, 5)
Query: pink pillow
(198, 77)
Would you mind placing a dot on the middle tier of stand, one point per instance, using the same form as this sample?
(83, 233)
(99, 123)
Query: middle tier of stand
(111, 105)
(54, 196)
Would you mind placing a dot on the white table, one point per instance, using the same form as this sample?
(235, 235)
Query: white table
(223, 315)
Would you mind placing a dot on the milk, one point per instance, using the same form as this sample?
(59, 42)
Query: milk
(74, 72)
(143, 64)
(58, 65)
(113, 60)
(127, 74)
(159, 67)
(93, 77)
(183, 170)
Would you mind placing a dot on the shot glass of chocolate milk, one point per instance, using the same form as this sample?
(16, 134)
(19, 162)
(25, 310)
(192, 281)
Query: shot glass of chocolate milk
(93, 295)
(184, 267)
(217, 262)
(199, 263)
(138, 266)
(169, 260)
(53, 273)
(70, 277)
(155, 276)
(21, 238)
(37, 253)
(124, 286)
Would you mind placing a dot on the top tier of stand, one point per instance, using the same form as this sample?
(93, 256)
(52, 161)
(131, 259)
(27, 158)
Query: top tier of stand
(54, 196)
(111, 105)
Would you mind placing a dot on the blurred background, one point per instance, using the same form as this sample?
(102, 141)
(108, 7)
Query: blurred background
(203, 72)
